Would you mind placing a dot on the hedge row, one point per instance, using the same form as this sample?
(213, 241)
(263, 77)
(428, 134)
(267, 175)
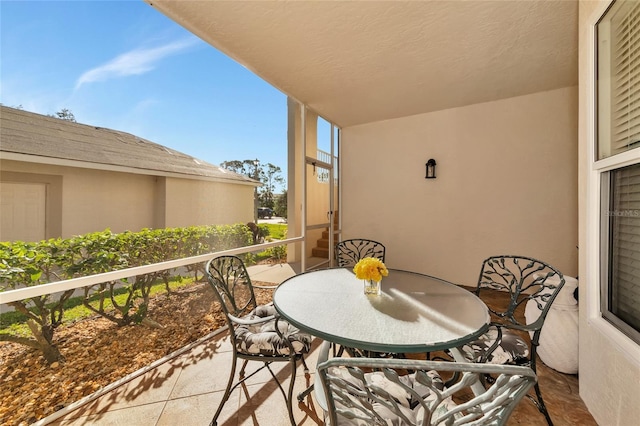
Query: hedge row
(30, 264)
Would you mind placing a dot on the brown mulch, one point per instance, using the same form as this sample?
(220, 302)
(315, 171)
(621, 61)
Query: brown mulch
(97, 352)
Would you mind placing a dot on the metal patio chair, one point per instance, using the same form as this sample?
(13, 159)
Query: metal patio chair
(526, 280)
(374, 391)
(257, 333)
(349, 252)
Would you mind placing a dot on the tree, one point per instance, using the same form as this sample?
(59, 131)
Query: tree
(271, 174)
(65, 114)
(238, 166)
(280, 204)
(268, 174)
(20, 107)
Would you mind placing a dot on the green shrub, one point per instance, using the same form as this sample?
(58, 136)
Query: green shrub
(279, 253)
(30, 264)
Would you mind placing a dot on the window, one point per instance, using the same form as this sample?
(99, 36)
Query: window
(619, 79)
(621, 294)
(618, 137)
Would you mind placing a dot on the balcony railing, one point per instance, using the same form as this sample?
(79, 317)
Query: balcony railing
(323, 174)
(76, 283)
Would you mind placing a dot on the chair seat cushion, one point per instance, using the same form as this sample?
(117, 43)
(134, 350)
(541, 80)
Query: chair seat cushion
(512, 349)
(385, 389)
(263, 339)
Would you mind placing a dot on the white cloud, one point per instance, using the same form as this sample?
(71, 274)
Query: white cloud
(134, 62)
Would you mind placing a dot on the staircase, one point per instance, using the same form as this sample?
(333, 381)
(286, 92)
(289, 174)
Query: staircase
(322, 245)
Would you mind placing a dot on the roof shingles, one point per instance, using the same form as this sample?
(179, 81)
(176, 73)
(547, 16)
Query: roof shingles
(24, 132)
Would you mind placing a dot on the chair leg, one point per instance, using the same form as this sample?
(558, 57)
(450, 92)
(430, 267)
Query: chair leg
(287, 396)
(290, 394)
(302, 395)
(308, 390)
(242, 370)
(227, 391)
(539, 403)
(304, 363)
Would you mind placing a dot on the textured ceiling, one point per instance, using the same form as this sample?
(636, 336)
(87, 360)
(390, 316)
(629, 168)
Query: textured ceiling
(355, 62)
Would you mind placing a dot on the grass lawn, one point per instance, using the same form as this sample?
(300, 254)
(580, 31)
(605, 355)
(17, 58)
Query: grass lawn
(277, 231)
(15, 322)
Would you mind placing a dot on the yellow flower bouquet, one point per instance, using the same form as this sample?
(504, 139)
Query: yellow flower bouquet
(370, 268)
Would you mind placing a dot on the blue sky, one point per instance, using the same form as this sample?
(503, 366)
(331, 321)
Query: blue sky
(125, 66)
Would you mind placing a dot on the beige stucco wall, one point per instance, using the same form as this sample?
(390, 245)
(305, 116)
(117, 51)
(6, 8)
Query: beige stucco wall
(506, 183)
(93, 200)
(609, 372)
(88, 200)
(191, 202)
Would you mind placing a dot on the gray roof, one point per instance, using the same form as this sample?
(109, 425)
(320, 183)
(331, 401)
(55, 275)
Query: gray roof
(28, 133)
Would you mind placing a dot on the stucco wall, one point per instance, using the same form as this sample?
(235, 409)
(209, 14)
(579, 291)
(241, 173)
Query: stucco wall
(92, 200)
(506, 184)
(609, 362)
(191, 202)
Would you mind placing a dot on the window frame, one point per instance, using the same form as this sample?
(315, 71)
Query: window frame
(596, 206)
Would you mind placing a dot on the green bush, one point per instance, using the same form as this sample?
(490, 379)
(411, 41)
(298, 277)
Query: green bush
(30, 264)
(278, 253)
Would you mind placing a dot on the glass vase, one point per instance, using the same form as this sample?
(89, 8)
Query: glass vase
(372, 287)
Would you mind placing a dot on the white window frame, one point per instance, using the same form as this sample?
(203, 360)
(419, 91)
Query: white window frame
(594, 209)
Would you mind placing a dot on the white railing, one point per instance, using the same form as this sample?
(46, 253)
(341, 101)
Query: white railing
(75, 283)
(323, 156)
(323, 175)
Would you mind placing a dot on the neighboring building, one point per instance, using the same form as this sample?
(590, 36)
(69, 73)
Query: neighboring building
(59, 178)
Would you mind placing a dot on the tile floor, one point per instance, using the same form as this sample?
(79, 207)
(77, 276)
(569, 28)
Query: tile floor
(187, 390)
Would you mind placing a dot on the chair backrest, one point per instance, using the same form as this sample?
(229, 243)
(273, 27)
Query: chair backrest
(375, 391)
(349, 252)
(228, 277)
(524, 279)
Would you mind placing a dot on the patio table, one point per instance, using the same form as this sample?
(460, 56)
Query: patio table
(415, 313)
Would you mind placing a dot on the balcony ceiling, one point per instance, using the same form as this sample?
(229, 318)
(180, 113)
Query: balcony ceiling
(357, 62)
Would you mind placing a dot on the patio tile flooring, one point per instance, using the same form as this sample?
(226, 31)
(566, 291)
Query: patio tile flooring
(186, 390)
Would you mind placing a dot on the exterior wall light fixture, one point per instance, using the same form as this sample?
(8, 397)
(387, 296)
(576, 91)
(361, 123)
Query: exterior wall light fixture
(431, 169)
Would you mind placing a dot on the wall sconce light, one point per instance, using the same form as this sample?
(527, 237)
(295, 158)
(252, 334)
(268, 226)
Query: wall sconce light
(431, 169)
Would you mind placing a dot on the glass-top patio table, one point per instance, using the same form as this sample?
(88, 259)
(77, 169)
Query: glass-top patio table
(414, 312)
